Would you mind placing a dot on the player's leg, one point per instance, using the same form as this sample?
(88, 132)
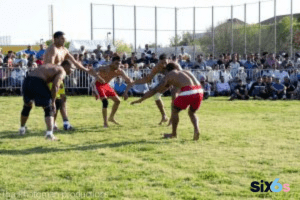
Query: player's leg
(175, 121)
(49, 119)
(174, 93)
(104, 110)
(58, 108)
(63, 110)
(24, 117)
(114, 109)
(160, 105)
(194, 120)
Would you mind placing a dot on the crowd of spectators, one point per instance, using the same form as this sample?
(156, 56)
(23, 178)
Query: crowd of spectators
(269, 76)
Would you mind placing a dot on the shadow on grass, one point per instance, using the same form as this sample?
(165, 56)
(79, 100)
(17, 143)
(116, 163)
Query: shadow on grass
(42, 150)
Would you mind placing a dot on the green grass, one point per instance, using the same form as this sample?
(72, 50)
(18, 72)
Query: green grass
(240, 142)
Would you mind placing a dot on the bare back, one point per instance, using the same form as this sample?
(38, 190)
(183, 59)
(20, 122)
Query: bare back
(181, 79)
(47, 72)
(55, 55)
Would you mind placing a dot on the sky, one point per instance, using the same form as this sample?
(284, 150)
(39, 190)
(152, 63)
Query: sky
(28, 21)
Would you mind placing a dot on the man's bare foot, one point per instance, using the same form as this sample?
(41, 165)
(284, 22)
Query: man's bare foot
(105, 125)
(196, 136)
(166, 135)
(113, 121)
(51, 137)
(163, 119)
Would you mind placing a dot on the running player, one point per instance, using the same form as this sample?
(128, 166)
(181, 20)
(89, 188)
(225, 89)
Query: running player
(190, 94)
(159, 68)
(56, 53)
(35, 89)
(104, 91)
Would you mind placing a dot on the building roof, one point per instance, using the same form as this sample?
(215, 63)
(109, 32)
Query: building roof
(278, 19)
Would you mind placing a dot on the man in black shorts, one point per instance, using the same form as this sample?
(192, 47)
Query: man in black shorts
(35, 88)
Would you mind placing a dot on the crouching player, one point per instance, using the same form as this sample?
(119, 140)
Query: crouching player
(35, 89)
(104, 91)
(190, 94)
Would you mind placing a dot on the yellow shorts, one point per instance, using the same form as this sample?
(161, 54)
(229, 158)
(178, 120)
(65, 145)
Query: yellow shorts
(60, 91)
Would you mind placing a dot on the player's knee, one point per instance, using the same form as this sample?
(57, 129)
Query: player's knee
(48, 111)
(117, 101)
(26, 110)
(104, 103)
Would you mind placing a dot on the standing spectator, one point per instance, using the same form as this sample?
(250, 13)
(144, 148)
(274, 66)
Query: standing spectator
(206, 87)
(93, 61)
(240, 92)
(249, 66)
(221, 60)
(82, 50)
(108, 51)
(286, 61)
(86, 59)
(272, 60)
(124, 58)
(225, 73)
(1, 60)
(31, 61)
(119, 86)
(98, 52)
(188, 64)
(80, 58)
(76, 56)
(263, 60)
(153, 59)
(21, 61)
(234, 66)
(29, 51)
(223, 89)
(199, 64)
(242, 75)
(40, 53)
(180, 61)
(147, 51)
(9, 55)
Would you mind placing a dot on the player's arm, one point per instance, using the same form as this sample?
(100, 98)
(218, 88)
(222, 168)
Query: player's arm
(146, 79)
(159, 88)
(125, 77)
(90, 70)
(57, 82)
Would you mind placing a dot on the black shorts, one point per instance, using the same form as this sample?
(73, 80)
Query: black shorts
(36, 89)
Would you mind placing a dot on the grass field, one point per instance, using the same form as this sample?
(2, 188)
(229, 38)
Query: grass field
(240, 142)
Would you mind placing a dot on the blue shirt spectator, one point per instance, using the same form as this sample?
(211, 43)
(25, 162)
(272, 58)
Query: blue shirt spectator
(29, 51)
(211, 61)
(40, 53)
(119, 86)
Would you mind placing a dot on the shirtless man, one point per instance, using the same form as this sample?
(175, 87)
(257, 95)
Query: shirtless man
(190, 94)
(159, 68)
(104, 91)
(56, 53)
(35, 88)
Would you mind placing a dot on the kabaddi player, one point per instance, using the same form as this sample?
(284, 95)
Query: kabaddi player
(35, 88)
(159, 68)
(190, 94)
(56, 53)
(104, 91)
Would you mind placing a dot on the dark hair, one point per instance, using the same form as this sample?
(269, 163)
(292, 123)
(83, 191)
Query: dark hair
(170, 67)
(58, 34)
(163, 56)
(116, 58)
(9, 52)
(65, 62)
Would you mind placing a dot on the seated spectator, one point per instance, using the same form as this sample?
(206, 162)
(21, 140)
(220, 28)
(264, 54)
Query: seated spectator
(279, 90)
(249, 66)
(188, 64)
(106, 60)
(269, 88)
(108, 51)
(225, 73)
(80, 58)
(124, 58)
(93, 61)
(206, 87)
(21, 61)
(221, 60)
(29, 51)
(76, 56)
(249, 84)
(257, 89)
(40, 53)
(223, 89)
(144, 60)
(240, 92)
(148, 52)
(286, 61)
(98, 52)
(279, 73)
(139, 89)
(242, 75)
(153, 59)
(82, 50)
(86, 59)
(234, 66)
(216, 74)
(272, 60)
(290, 88)
(210, 62)
(180, 61)
(1, 54)
(8, 56)
(199, 64)
(132, 60)
(119, 86)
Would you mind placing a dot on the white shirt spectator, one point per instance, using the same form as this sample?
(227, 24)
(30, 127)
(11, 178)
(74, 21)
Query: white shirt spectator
(268, 73)
(227, 76)
(216, 75)
(223, 87)
(234, 67)
(210, 76)
(242, 75)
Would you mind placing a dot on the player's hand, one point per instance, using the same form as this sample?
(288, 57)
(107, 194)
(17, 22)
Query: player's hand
(125, 95)
(135, 102)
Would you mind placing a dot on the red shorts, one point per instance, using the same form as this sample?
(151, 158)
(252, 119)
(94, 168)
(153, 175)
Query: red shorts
(189, 96)
(104, 90)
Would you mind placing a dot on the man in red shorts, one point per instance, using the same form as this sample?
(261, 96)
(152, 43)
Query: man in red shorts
(104, 91)
(190, 94)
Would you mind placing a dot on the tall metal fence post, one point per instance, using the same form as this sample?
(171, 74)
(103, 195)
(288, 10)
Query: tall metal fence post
(259, 36)
(194, 32)
(176, 31)
(275, 24)
(155, 30)
(245, 29)
(231, 29)
(92, 22)
(213, 34)
(291, 28)
(113, 21)
(134, 28)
